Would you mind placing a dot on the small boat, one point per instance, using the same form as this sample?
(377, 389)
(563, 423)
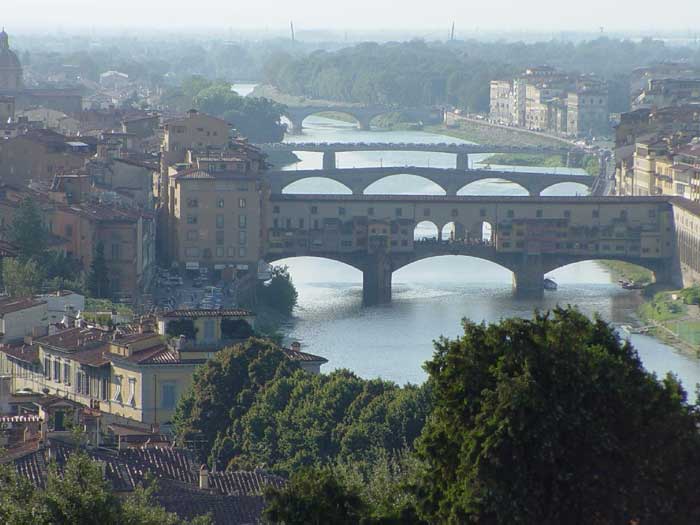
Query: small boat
(549, 284)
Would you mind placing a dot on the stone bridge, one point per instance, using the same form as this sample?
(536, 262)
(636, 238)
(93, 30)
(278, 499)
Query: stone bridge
(530, 236)
(357, 180)
(363, 114)
(461, 151)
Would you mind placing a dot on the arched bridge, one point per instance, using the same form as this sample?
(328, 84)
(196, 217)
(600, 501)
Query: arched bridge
(461, 151)
(530, 236)
(357, 180)
(363, 114)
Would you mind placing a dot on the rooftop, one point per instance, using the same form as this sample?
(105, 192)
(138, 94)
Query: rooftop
(297, 355)
(17, 304)
(196, 313)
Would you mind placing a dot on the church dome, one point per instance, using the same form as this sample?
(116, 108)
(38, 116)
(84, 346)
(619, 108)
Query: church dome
(8, 58)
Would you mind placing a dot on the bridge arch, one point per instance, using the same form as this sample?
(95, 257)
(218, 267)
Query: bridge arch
(560, 189)
(292, 260)
(402, 184)
(320, 185)
(339, 115)
(657, 272)
(453, 231)
(487, 186)
(497, 270)
(426, 231)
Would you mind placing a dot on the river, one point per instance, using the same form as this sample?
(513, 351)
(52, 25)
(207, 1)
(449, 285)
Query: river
(431, 297)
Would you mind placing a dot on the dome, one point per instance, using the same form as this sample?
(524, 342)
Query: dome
(8, 59)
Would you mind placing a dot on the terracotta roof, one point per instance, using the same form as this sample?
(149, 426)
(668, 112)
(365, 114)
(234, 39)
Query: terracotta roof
(296, 355)
(225, 312)
(75, 339)
(16, 304)
(26, 353)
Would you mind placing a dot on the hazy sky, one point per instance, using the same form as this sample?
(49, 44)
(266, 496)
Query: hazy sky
(541, 15)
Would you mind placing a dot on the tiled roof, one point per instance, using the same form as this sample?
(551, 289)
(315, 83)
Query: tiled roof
(16, 304)
(225, 312)
(26, 353)
(296, 355)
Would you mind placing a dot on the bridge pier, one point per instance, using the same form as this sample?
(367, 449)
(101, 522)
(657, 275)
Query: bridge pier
(297, 126)
(462, 161)
(363, 124)
(329, 160)
(376, 279)
(528, 277)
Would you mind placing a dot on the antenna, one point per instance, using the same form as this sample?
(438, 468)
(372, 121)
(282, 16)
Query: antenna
(291, 26)
(452, 33)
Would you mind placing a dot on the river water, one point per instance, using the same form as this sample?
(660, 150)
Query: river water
(431, 297)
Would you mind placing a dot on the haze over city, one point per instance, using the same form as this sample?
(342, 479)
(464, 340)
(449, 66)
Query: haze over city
(549, 16)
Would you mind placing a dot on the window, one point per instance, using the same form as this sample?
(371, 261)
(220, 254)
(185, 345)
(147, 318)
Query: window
(426, 212)
(511, 214)
(242, 237)
(370, 212)
(455, 212)
(482, 212)
(288, 223)
(56, 371)
(242, 221)
(192, 252)
(117, 397)
(595, 214)
(220, 238)
(275, 209)
(652, 214)
(314, 210)
(567, 214)
(219, 251)
(79, 382)
(241, 251)
(192, 203)
(219, 221)
(399, 212)
(167, 395)
(241, 202)
(192, 235)
(66, 373)
(315, 224)
(220, 203)
(275, 223)
(104, 389)
(132, 392)
(231, 251)
(47, 368)
(69, 230)
(538, 213)
(116, 249)
(341, 211)
(191, 219)
(623, 214)
(301, 224)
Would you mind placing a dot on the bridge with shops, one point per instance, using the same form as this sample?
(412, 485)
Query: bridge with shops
(451, 181)
(362, 114)
(461, 151)
(530, 236)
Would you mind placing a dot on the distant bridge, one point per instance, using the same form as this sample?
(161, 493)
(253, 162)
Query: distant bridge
(357, 180)
(363, 114)
(461, 151)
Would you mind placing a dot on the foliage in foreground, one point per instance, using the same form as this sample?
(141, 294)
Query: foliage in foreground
(554, 420)
(551, 420)
(79, 494)
(251, 407)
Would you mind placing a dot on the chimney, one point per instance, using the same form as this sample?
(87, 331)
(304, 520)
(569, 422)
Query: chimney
(203, 477)
(296, 346)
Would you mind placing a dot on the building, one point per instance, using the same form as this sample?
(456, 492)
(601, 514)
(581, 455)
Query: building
(215, 208)
(22, 317)
(10, 67)
(38, 155)
(62, 305)
(664, 92)
(7, 110)
(128, 374)
(543, 99)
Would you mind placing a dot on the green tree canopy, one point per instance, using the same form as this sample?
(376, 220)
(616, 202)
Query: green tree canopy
(98, 276)
(21, 278)
(27, 231)
(554, 420)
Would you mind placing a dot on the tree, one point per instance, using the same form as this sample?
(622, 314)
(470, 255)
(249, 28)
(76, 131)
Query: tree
(314, 497)
(279, 293)
(21, 279)
(27, 231)
(224, 388)
(98, 278)
(554, 420)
